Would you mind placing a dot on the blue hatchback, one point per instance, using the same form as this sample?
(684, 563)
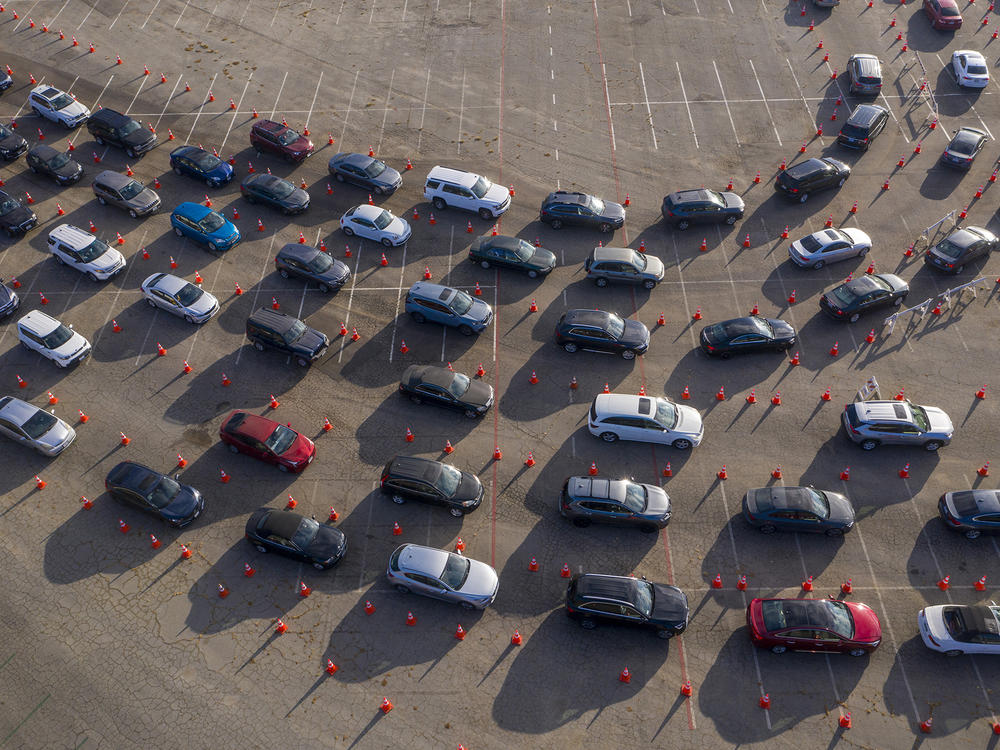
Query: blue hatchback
(204, 225)
(202, 165)
(447, 306)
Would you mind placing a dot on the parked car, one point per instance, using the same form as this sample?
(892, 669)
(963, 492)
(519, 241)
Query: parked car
(432, 482)
(44, 334)
(58, 106)
(126, 193)
(959, 248)
(9, 301)
(267, 441)
(944, 15)
(512, 252)
(621, 502)
(855, 297)
(816, 625)
(567, 208)
(293, 535)
(312, 264)
(622, 265)
(375, 223)
(443, 387)
(456, 188)
(703, 206)
(600, 331)
(955, 629)
(965, 145)
(275, 192)
(828, 246)
(203, 225)
(201, 164)
(753, 333)
(444, 575)
(971, 512)
(11, 144)
(646, 419)
(801, 180)
(784, 508)
(15, 217)
(179, 297)
(269, 329)
(34, 427)
(970, 69)
(83, 252)
(281, 140)
(865, 74)
(58, 165)
(5, 81)
(150, 491)
(864, 125)
(111, 127)
(596, 598)
(365, 171)
(449, 307)
(874, 423)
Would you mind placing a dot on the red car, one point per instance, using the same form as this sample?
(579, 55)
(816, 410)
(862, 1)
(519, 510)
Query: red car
(818, 625)
(268, 135)
(944, 14)
(267, 440)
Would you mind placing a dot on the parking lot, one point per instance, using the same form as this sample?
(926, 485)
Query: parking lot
(112, 643)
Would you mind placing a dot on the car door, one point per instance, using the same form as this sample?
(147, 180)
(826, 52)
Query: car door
(35, 343)
(457, 196)
(826, 641)
(43, 108)
(988, 522)
(977, 250)
(836, 250)
(426, 585)
(167, 302)
(874, 299)
(600, 511)
(434, 395)
(807, 521)
(629, 428)
(748, 342)
(654, 432)
(267, 142)
(605, 611)
(887, 434)
(133, 498)
(594, 339)
(295, 268)
(280, 544)
(12, 431)
(795, 639)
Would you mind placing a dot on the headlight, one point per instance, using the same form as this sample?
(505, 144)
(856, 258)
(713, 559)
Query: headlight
(482, 409)
(468, 503)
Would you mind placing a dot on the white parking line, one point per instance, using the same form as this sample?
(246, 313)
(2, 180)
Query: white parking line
(91, 10)
(795, 78)
(350, 297)
(687, 307)
(210, 16)
(649, 111)
(607, 97)
(350, 101)
(764, 99)
(728, 111)
(27, 15)
(239, 104)
(274, 109)
(461, 111)
(137, 92)
(151, 12)
(145, 338)
(186, 4)
(257, 291)
(124, 6)
(312, 104)
(686, 104)
(201, 108)
(423, 109)
(385, 115)
(52, 22)
(399, 296)
(166, 104)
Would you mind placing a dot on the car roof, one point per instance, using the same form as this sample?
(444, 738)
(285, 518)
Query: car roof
(131, 474)
(971, 53)
(614, 253)
(794, 613)
(414, 467)
(270, 126)
(432, 291)
(430, 374)
(739, 326)
(885, 411)
(864, 114)
(366, 211)
(44, 151)
(968, 135)
(777, 497)
(39, 323)
(16, 410)
(49, 92)
(112, 116)
(600, 586)
(114, 179)
(970, 502)
(596, 487)
(251, 425)
(609, 404)
(690, 196)
(456, 176)
(273, 319)
(72, 235)
(807, 167)
(358, 160)
(284, 523)
(298, 252)
(862, 285)
(169, 283)
(416, 558)
(567, 197)
(192, 210)
(265, 179)
(964, 237)
(597, 318)
(504, 241)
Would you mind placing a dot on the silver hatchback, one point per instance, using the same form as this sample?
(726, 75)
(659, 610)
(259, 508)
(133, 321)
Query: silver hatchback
(36, 428)
(442, 575)
(874, 423)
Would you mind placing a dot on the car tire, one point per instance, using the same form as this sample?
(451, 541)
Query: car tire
(725, 355)
(609, 437)
(98, 140)
(402, 589)
(818, 265)
(767, 528)
(588, 624)
(854, 318)
(416, 399)
(102, 201)
(803, 198)
(302, 361)
(33, 169)
(132, 213)
(842, 181)
(249, 199)
(471, 413)
(92, 276)
(339, 176)
(465, 330)
(682, 224)
(649, 284)
(282, 467)
(456, 512)
(932, 445)
(954, 652)
(258, 345)
(131, 152)
(628, 354)
(972, 533)
(730, 220)
(648, 528)
(868, 445)
(601, 281)
(570, 347)
(212, 246)
(532, 274)
(581, 523)
(604, 227)
(387, 242)
(213, 183)
(863, 252)
(484, 263)
(898, 301)
(261, 548)
(178, 232)
(485, 215)
(959, 269)
(189, 319)
(59, 260)
(283, 273)
(378, 191)
(150, 302)
(681, 444)
(417, 317)
(555, 224)
(232, 448)
(398, 499)
(323, 288)
(664, 634)
(834, 532)
(466, 606)
(37, 111)
(11, 232)
(858, 652)
(778, 649)
(178, 171)
(439, 204)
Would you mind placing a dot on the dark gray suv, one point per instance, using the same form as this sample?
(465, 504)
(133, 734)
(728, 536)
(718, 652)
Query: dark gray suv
(621, 502)
(126, 193)
(268, 329)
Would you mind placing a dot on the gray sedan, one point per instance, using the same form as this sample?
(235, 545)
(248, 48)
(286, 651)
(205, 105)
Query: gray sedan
(442, 575)
(828, 246)
(34, 427)
(798, 509)
(586, 500)
(180, 297)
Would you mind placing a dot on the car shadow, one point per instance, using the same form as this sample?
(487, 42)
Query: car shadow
(920, 36)
(963, 560)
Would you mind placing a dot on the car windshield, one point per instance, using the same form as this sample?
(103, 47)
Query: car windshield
(211, 222)
(58, 337)
(948, 249)
(639, 261)
(816, 502)
(853, 131)
(461, 303)
(305, 534)
(295, 330)
(93, 251)
(5, 132)
(62, 101)
(128, 128)
(456, 570)
(459, 385)
(666, 413)
(481, 186)
(375, 168)
(320, 262)
(635, 497)
(8, 205)
(950, 12)
(164, 491)
(595, 204)
(644, 598)
(58, 161)
(383, 220)
(524, 251)
(39, 423)
(448, 480)
(282, 189)
(281, 439)
(920, 418)
(132, 189)
(616, 326)
(205, 160)
(189, 294)
(288, 138)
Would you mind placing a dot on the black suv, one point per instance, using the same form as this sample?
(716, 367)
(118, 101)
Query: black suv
(312, 264)
(274, 330)
(600, 331)
(11, 144)
(427, 481)
(801, 180)
(687, 207)
(116, 129)
(594, 597)
(564, 208)
(15, 217)
(863, 126)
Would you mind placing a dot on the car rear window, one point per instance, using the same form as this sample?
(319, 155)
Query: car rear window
(593, 412)
(869, 79)
(977, 70)
(853, 131)
(810, 244)
(964, 502)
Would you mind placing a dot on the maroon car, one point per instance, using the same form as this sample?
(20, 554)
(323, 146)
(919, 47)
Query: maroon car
(818, 625)
(267, 440)
(278, 138)
(944, 14)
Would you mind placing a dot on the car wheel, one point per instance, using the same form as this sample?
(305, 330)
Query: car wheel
(212, 182)
(664, 634)
(725, 355)
(581, 523)
(302, 361)
(959, 269)
(456, 512)
(178, 232)
(402, 589)
(319, 566)
(834, 532)
(387, 242)
(803, 198)
(730, 220)
(398, 499)
(609, 437)
(682, 444)
(972, 534)
(649, 284)
(868, 445)
(416, 399)
(439, 204)
(932, 445)
(858, 651)
(36, 111)
(282, 467)
(102, 201)
(778, 649)
(532, 274)
(132, 213)
(648, 528)
(348, 231)
(484, 214)
(466, 606)
(588, 624)
(484, 263)
(33, 169)
(842, 181)
(131, 152)
(212, 246)
(59, 259)
(189, 319)
(232, 448)
(261, 548)
(555, 224)
(954, 652)
(818, 264)
(465, 330)
(604, 227)
(249, 199)
(283, 273)
(98, 140)
(471, 413)
(854, 318)
(259, 346)
(92, 276)
(150, 302)
(570, 347)
(768, 528)
(339, 176)
(628, 354)
(178, 171)
(289, 158)
(323, 287)
(863, 252)
(417, 317)
(601, 281)
(682, 224)
(898, 301)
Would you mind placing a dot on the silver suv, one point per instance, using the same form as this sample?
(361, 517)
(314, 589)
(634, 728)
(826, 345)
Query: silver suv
(874, 423)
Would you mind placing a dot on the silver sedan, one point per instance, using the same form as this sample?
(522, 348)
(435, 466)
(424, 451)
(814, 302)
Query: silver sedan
(442, 575)
(829, 245)
(180, 297)
(34, 427)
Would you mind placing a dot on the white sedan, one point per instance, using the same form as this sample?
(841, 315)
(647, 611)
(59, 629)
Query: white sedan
(970, 69)
(961, 629)
(374, 223)
(180, 297)
(829, 245)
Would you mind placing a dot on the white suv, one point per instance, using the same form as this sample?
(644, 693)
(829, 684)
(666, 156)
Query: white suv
(646, 419)
(452, 187)
(58, 106)
(41, 333)
(81, 250)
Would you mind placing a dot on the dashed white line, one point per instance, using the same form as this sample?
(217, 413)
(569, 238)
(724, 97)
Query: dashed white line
(201, 108)
(423, 109)
(166, 104)
(728, 111)
(461, 111)
(274, 109)
(649, 111)
(399, 296)
(764, 98)
(124, 6)
(385, 115)
(350, 101)
(151, 11)
(687, 105)
(607, 98)
(236, 111)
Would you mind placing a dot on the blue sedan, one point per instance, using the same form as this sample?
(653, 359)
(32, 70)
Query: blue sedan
(202, 165)
(204, 225)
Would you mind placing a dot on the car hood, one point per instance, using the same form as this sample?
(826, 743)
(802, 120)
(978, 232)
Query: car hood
(657, 501)
(688, 420)
(481, 581)
(144, 200)
(107, 260)
(397, 228)
(204, 304)
(940, 421)
(6, 294)
(541, 259)
(222, 171)
(479, 311)
(635, 334)
(733, 201)
(897, 284)
(856, 235)
(310, 341)
(934, 617)
(139, 137)
(669, 603)
(479, 393)
(300, 450)
(841, 510)
(75, 344)
(69, 170)
(337, 273)
(389, 178)
(12, 142)
(613, 211)
(19, 215)
(75, 110)
(654, 266)
(496, 194)
(329, 542)
(782, 330)
(844, 169)
(469, 488)
(58, 434)
(183, 506)
(300, 145)
(867, 628)
(298, 199)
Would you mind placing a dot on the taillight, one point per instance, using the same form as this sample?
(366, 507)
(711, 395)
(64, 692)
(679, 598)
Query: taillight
(669, 212)
(570, 610)
(793, 190)
(954, 521)
(839, 312)
(751, 517)
(382, 481)
(709, 347)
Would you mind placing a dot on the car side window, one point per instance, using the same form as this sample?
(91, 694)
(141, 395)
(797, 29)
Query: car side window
(453, 190)
(630, 611)
(5, 425)
(425, 580)
(989, 518)
(604, 608)
(595, 505)
(278, 539)
(797, 633)
(432, 185)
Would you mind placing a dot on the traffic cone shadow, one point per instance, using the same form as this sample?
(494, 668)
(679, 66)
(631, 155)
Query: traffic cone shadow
(273, 635)
(746, 405)
(972, 408)
(323, 677)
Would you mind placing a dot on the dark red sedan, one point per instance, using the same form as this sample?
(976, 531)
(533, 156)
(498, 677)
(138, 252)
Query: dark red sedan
(943, 14)
(818, 625)
(278, 138)
(267, 440)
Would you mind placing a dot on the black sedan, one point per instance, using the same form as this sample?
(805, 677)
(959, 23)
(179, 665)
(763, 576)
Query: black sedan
(594, 598)
(432, 482)
(311, 263)
(274, 192)
(852, 298)
(512, 252)
(801, 180)
(153, 492)
(964, 147)
(293, 535)
(9, 301)
(11, 144)
(56, 164)
(600, 331)
(15, 217)
(443, 387)
(365, 171)
(971, 512)
(960, 247)
(566, 208)
(750, 334)
(687, 207)
(798, 509)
